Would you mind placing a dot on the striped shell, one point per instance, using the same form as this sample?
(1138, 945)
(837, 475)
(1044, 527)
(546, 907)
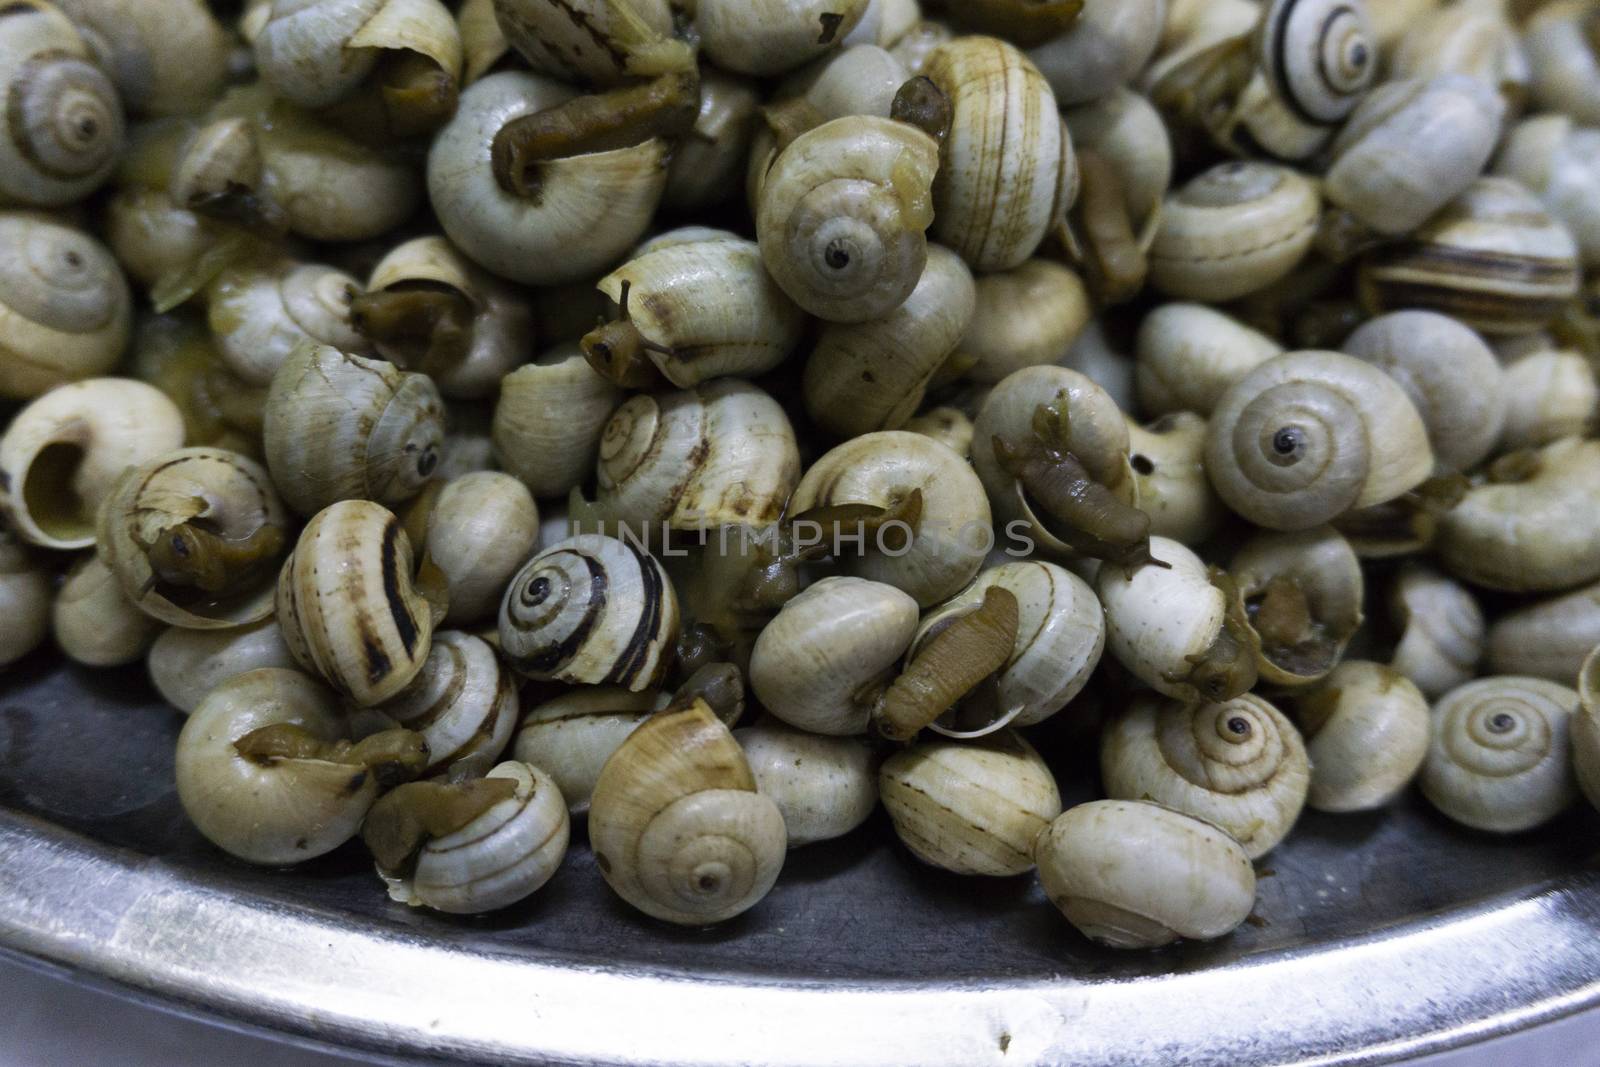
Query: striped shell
(572, 735)
(1319, 56)
(591, 610)
(463, 702)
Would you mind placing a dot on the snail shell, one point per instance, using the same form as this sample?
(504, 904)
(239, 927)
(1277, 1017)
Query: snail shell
(707, 308)
(1308, 436)
(1319, 56)
(1475, 39)
(949, 426)
(315, 53)
(591, 610)
(62, 117)
(65, 312)
(1549, 395)
(1110, 42)
(819, 663)
(549, 419)
(1493, 258)
(870, 376)
(1188, 355)
(341, 427)
(593, 42)
(1026, 317)
(1549, 638)
(185, 665)
(1500, 755)
(347, 605)
(483, 43)
(720, 454)
(259, 313)
(226, 501)
(93, 621)
(1239, 764)
(766, 37)
(1585, 730)
(482, 528)
(823, 786)
(676, 824)
(25, 596)
(61, 455)
(1233, 230)
(1441, 630)
(1168, 461)
(1186, 878)
(1302, 593)
(167, 57)
(843, 213)
(1450, 375)
(590, 209)
(858, 79)
(706, 165)
(882, 470)
(463, 702)
(572, 735)
(1530, 531)
(1366, 733)
(1126, 130)
(973, 808)
(1007, 174)
(1562, 57)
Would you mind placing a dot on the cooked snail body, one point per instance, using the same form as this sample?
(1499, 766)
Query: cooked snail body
(1131, 874)
(1366, 733)
(824, 786)
(185, 665)
(1302, 594)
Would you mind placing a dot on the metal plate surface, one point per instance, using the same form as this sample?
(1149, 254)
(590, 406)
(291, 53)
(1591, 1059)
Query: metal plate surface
(1374, 938)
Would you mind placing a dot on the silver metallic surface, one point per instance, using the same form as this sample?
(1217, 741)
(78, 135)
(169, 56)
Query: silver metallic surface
(1375, 937)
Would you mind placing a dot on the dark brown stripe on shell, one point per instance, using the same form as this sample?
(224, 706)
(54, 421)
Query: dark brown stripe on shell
(631, 662)
(555, 656)
(404, 624)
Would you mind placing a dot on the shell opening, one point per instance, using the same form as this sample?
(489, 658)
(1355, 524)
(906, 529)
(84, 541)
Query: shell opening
(50, 494)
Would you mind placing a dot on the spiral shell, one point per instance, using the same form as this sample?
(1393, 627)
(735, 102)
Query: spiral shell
(591, 610)
(843, 214)
(572, 735)
(1585, 729)
(1126, 130)
(1549, 395)
(549, 419)
(463, 702)
(1366, 733)
(1500, 756)
(676, 824)
(347, 605)
(1302, 593)
(592, 42)
(1239, 764)
(167, 57)
(1319, 56)
(973, 808)
(1108, 44)
(1027, 317)
(1307, 436)
(1562, 57)
(1441, 630)
(1188, 355)
(341, 427)
(65, 312)
(949, 426)
(25, 596)
(260, 312)
(1168, 461)
(765, 37)
(482, 528)
(823, 786)
(185, 665)
(62, 117)
(93, 621)
(1549, 638)
(316, 52)
(1475, 39)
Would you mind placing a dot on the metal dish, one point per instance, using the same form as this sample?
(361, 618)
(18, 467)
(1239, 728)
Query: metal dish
(1375, 937)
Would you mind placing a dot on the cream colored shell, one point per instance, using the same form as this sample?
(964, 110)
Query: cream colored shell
(1110, 43)
(1566, 69)
(766, 37)
(1549, 395)
(25, 596)
(93, 621)
(463, 702)
(1321, 567)
(1476, 39)
(317, 52)
(1441, 630)
(1585, 729)
(1560, 162)
(1366, 733)
(1025, 317)
(166, 57)
(572, 735)
(599, 42)
(259, 313)
(947, 425)
(1548, 638)
(1188, 354)
(185, 665)
(706, 165)
(1127, 131)
(1160, 617)
(482, 528)
(549, 419)
(1168, 461)
(824, 786)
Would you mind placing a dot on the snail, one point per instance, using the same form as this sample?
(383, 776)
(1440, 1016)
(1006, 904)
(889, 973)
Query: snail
(561, 218)
(427, 308)
(1441, 630)
(868, 376)
(949, 426)
(25, 596)
(463, 702)
(1125, 130)
(1006, 174)
(1500, 756)
(1366, 733)
(591, 610)
(62, 116)
(593, 42)
(483, 42)
(1526, 529)
(177, 354)
(348, 607)
(823, 786)
(766, 37)
(1168, 461)
(259, 313)
(690, 312)
(1302, 594)
(1233, 230)
(677, 827)
(341, 427)
(1307, 436)
(720, 454)
(549, 419)
(1585, 730)
(1237, 763)
(166, 57)
(1061, 634)
(705, 165)
(572, 735)
(94, 622)
(469, 846)
(185, 665)
(1188, 355)
(1450, 375)
(1549, 394)
(1108, 43)
(1562, 58)
(1186, 879)
(1548, 638)
(858, 79)
(842, 216)
(1475, 39)
(1408, 150)
(62, 454)
(195, 537)
(66, 311)
(973, 808)
(1025, 317)
(266, 772)
(482, 527)
(1493, 258)
(905, 486)
(1177, 628)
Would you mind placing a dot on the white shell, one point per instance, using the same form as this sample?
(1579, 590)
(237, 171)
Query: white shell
(1549, 638)
(463, 702)
(1161, 616)
(824, 786)
(1188, 355)
(482, 528)
(1366, 735)
(1110, 42)
(25, 596)
(1026, 317)
(1549, 395)
(766, 37)
(94, 622)
(1441, 630)
(259, 313)
(185, 665)
(549, 419)
(1319, 56)
(572, 735)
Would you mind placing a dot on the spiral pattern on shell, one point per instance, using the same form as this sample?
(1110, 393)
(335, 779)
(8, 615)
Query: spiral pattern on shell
(1319, 55)
(304, 53)
(1499, 759)
(463, 703)
(591, 610)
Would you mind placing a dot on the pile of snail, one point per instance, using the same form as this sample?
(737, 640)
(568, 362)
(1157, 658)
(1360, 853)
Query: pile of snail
(704, 421)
